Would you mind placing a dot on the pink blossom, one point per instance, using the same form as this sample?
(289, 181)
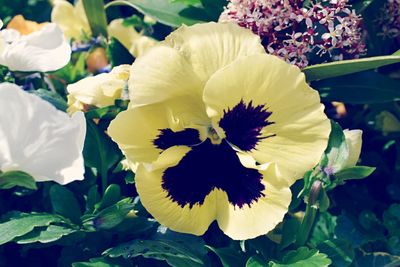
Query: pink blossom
(301, 34)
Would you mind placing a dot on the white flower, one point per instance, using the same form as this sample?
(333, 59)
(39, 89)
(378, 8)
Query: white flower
(38, 139)
(44, 50)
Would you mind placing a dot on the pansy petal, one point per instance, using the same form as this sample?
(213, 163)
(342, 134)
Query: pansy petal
(43, 51)
(261, 216)
(71, 19)
(42, 141)
(285, 116)
(211, 46)
(194, 220)
(162, 74)
(142, 133)
(135, 42)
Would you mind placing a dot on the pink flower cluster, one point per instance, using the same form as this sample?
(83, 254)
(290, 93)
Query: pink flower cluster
(301, 34)
(390, 19)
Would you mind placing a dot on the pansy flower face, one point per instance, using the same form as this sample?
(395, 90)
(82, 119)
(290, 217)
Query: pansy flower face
(220, 129)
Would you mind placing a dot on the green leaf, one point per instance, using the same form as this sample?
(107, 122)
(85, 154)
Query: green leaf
(99, 151)
(23, 223)
(339, 251)
(256, 261)
(376, 259)
(16, 178)
(360, 88)
(357, 172)
(337, 151)
(187, 2)
(324, 228)
(118, 54)
(53, 98)
(64, 203)
(303, 257)
(44, 234)
(111, 196)
(391, 219)
(214, 8)
(228, 256)
(344, 67)
(289, 230)
(113, 215)
(346, 229)
(175, 253)
(162, 10)
(96, 16)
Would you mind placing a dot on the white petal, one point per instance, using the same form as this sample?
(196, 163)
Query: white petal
(44, 50)
(39, 139)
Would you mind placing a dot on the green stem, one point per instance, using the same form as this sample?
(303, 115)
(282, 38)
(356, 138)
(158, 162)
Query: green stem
(103, 175)
(306, 225)
(42, 77)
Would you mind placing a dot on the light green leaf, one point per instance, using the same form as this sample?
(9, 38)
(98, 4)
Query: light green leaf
(357, 172)
(344, 67)
(16, 178)
(303, 257)
(360, 88)
(337, 151)
(111, 196)
(162, 10)
(96, 16)
(23, 223)
(176, 254)
(113, 215)
(64, 203)
(44, 235)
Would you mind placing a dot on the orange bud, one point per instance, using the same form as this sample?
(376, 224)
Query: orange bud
(23, 26)
(97, 60)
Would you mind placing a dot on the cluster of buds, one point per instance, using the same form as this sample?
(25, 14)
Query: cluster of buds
(300, 33)
(389, 20)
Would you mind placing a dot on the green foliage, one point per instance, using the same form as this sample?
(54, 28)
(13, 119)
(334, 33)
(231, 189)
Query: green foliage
(173, 252)
(16, 178)
(162, 10)
(344, 67)
(96, 16)
(303, 257)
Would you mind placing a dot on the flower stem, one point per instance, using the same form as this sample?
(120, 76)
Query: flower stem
(306, 225)
(103, 175)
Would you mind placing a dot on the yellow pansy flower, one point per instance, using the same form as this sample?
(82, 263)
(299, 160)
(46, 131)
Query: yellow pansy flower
(220, 130)
(71, 19)
(135, 42)
(100, 91)
(387, 123)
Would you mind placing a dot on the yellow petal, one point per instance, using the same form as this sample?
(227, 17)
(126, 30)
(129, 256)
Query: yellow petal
(193, 220)
(101, 90)
(135, 42)
(387, 122)
(134, 131)
(162, 74)
(300, 125)
(354, 142)
(71, 19)
(259, 218)
(211, 46)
